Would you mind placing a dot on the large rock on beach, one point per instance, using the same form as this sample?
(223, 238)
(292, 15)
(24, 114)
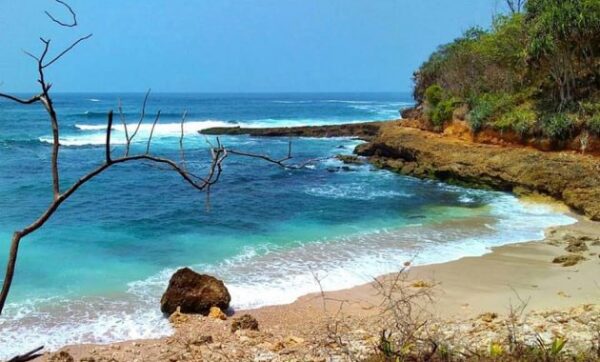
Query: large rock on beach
(194, 293)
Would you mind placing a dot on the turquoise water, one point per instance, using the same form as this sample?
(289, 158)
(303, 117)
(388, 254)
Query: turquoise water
(96, 270)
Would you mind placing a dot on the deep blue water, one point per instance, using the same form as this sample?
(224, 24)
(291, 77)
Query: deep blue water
(96, 270)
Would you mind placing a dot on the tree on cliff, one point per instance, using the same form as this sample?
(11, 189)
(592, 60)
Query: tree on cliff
(536, 72)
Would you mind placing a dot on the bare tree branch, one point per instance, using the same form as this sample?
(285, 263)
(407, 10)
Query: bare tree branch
(73, 15)
(152, 131)
(139, 124)
(31, 100)
(181, 149)
(124, 122)
(31, 355)
(108, 133)
(67, 50)
(218, 154)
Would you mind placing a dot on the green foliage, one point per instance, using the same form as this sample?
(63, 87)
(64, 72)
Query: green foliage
(546, 58)
(521, 119)
(564, 45)
(593, 124)
(558, 126)
(557, 346)
(443, 111)
(485, 108)
(440, 107)
(434, 94)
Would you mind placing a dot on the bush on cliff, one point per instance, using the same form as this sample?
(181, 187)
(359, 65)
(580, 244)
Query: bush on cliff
(526, 73)
(439, 106)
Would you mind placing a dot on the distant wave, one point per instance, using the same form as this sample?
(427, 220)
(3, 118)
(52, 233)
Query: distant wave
(292, 102)
(94, 134)
(347, 101)
(93, 100)
(128, 115)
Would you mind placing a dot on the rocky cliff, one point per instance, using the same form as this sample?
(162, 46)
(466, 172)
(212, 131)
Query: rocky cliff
(567, 176)
(453, 157)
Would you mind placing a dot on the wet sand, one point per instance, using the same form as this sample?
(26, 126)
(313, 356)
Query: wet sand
(464, 289)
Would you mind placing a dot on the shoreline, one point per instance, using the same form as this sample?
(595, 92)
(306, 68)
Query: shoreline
(511, 272)
(461, 293)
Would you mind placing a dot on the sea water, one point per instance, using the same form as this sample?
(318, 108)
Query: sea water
(96, 270)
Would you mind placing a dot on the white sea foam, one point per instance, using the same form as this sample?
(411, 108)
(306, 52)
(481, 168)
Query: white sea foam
(355, 191)
(93, 100)
(94, 134)
(276, 275)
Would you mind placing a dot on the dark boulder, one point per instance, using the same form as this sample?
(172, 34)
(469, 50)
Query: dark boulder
(194, 293)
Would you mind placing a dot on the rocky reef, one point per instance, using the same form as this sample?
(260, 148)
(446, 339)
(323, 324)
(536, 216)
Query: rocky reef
(366, 131)
(566, 176)
(450, 156)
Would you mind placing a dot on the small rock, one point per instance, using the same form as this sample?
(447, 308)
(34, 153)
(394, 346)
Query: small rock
(421, 284)
(488, 317)
(245, 321)
(178, 318)
(292, 340)
(62, 356)
(568, 260)
(217, 313)
(202, 340)
(576, 246)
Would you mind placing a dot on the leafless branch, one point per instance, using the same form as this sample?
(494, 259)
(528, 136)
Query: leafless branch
(31, 100)
(108, 133)
(142, 115)
(73, 45)
(152, 131)
(31, 355)
(279, 162)
(73, 15)
(218, 154)
(181, 149)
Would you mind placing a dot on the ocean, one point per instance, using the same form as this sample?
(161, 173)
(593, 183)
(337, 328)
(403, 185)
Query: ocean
(95, 272)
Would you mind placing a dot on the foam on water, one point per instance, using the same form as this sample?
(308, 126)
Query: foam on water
(90, 136)
(95, 134)
(272, 274)
(356, 191)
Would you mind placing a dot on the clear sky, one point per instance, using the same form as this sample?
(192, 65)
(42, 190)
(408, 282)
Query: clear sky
(234, 46)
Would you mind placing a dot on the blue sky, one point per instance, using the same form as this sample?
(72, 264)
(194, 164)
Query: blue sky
(234, 46)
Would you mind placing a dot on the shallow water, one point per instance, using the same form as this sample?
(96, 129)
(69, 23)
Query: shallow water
(96, 270)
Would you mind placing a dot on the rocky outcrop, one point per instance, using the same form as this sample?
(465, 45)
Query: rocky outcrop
(194, 293)
(366, 131)
(567, 176)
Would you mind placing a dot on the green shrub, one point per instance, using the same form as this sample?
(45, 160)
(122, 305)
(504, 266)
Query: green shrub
(479, 115)
(443, 111)
(593, 124)
(434, 95)
(485, 108)
(558, 126)
(520, 119)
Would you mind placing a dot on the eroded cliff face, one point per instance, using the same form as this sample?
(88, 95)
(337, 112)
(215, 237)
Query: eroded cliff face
(577, 140)
(567, 176)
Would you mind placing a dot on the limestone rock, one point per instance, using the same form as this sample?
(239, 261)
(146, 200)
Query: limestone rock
(194, 293)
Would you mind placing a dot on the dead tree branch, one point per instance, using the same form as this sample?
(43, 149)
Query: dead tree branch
(72, 24)
(31, 355)
(218, 153)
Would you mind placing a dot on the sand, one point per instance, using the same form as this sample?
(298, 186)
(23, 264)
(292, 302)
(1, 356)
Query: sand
(462, 290)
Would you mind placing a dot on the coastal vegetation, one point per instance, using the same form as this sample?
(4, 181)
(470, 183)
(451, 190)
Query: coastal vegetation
(536, 72)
